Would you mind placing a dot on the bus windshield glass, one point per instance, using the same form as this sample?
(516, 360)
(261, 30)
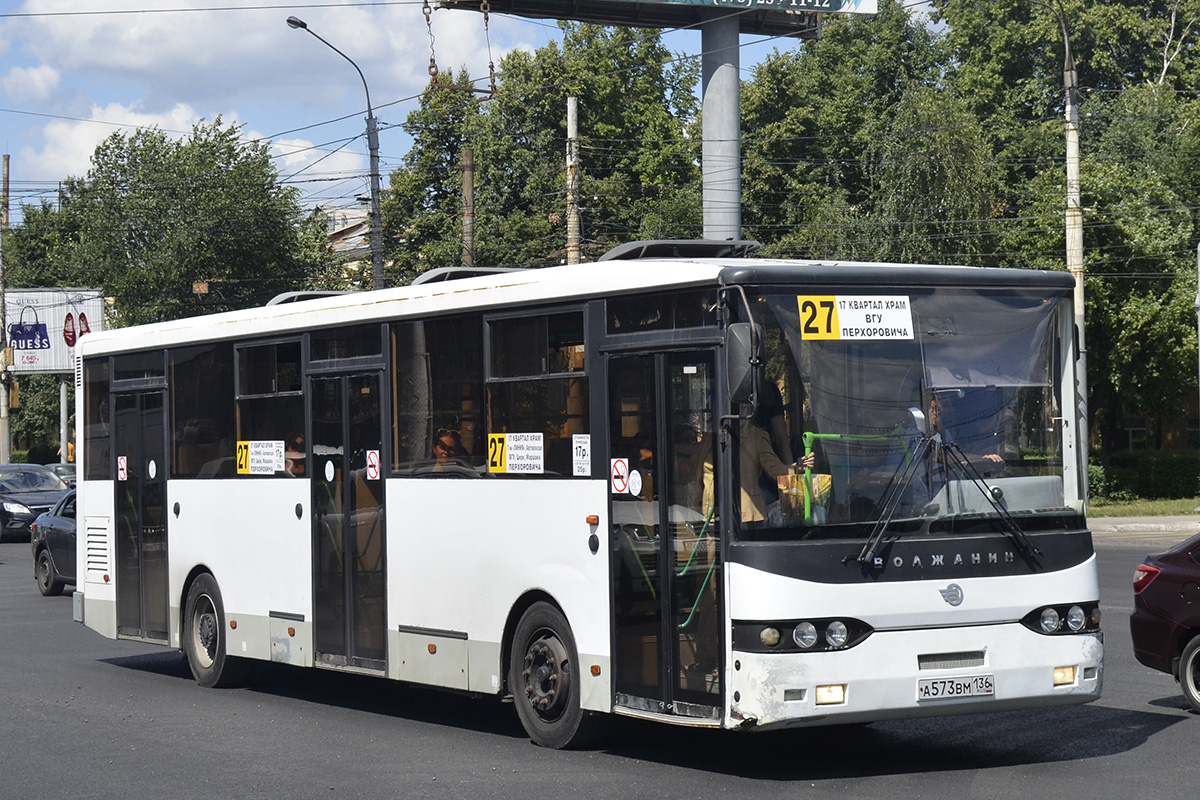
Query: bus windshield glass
(922, 404)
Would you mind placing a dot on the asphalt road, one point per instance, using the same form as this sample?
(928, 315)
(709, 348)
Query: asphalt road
(85, 717)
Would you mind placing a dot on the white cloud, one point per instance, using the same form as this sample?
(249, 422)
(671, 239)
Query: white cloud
(30, 83)
(67, 146)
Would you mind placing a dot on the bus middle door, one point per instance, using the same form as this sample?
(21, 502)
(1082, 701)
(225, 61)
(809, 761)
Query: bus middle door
(349, 553)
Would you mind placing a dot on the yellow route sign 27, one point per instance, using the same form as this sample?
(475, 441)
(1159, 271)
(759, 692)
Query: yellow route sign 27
(842, 317)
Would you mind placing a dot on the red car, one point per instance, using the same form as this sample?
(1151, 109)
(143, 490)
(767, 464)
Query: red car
(1165, 623)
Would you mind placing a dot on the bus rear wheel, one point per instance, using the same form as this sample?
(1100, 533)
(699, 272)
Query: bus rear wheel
(204, 637)
(544, 679)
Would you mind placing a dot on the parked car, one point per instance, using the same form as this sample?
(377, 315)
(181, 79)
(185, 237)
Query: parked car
(53, 542)
(1165, 623)
(26, 490)
(65, 471)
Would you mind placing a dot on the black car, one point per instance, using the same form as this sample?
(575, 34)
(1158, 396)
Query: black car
(53, 545)
(26, 490)
(1165, 623)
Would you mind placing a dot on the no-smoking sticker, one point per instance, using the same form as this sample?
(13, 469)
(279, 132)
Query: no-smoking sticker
(372, 465)
(619, 475)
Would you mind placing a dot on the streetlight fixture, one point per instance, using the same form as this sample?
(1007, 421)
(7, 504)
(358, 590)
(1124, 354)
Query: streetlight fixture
(373, 147)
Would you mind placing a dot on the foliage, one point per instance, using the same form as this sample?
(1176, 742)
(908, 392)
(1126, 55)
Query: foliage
(1151, 474)
(36, 422)
(154, 215)
(638, 167)
(808, 117)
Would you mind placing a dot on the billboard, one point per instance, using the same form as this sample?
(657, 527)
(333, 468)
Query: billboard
(43, 325)
(766, 17)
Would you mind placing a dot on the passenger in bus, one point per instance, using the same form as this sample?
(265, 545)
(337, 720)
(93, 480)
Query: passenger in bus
(757, 457)
(447, 448)
(295, 456)
(644, 464)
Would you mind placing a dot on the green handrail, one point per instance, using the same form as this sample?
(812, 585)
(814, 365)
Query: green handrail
(810, 437)
(707, 577)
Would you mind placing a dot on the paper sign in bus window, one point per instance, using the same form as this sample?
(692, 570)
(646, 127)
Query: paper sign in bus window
(260, 457)
(516, 453)
(846, 317)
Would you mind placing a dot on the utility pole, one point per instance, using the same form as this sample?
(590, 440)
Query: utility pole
(720, 159)
(5, 352)
(572, 180)
(468, 190)
(1074, 231)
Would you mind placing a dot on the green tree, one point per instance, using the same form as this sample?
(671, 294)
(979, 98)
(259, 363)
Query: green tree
(153, 215)
(1139, 233)
(639, 171)
(808, 118)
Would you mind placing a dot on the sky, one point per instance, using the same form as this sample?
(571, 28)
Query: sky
(74, 71)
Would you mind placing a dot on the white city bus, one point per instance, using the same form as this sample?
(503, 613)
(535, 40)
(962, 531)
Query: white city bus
(578, 486)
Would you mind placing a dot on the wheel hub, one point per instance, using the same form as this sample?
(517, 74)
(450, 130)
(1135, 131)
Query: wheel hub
(547, 676)
(206, 631)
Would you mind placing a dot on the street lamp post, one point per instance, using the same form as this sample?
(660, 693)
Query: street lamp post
(373, 148)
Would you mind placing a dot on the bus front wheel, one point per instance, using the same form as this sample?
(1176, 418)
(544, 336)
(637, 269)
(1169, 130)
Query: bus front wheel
(544, 680)
(204, 637)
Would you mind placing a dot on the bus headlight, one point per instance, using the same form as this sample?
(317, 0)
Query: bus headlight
(1064, 619)
(805, 635)
(799, 635)
(1076, 619)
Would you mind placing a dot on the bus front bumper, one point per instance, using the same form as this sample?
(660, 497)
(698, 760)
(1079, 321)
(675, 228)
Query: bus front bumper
(915, 673)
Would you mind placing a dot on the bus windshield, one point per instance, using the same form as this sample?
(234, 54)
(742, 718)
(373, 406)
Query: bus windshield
(920, 404)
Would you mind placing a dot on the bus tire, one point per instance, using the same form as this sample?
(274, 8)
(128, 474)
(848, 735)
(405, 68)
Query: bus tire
(1189, 673)
(48, 583)
(544, 680)
(204, 637)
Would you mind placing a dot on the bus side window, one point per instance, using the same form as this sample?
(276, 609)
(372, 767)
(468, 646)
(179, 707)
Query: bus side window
(537, 383)
(202, 409)
(437, 390)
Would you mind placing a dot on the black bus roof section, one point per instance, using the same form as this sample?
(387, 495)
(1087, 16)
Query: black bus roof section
(681, 248)
(834, 273)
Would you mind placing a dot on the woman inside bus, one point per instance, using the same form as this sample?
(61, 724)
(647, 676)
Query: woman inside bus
(447, 448)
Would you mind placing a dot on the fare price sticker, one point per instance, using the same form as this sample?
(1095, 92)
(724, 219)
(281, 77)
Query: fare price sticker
(855, 317)
(516, 453)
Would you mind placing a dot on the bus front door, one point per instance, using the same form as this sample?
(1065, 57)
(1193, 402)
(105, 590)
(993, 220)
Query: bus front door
(348, 521)
(141, 543)
(665, 535)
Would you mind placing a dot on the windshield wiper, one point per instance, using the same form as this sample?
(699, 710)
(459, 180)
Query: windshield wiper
(893, 495)
(993, 494)
(896, 488)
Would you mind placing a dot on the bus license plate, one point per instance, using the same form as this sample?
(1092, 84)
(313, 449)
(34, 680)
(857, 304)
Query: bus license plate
(946, 688)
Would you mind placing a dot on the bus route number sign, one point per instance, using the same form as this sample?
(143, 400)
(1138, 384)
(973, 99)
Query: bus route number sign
(260, 457)
(850, 317)
(516, 453)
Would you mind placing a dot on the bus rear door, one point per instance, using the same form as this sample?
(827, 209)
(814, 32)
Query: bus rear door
(141, 535)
